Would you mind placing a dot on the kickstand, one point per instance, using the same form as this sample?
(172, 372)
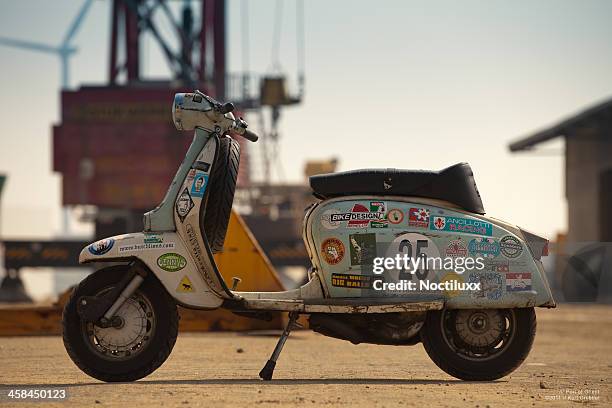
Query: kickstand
(266, 372)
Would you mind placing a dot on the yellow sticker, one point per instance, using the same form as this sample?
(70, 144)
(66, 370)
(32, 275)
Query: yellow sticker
(185, 285)
(451, 276)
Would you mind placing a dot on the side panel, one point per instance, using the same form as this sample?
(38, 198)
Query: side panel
(191, 196)
(345, 235)
(167, 257)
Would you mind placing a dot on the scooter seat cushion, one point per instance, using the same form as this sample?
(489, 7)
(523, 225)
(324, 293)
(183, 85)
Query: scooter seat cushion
(455, 184)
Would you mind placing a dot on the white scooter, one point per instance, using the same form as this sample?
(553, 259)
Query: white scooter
(121, 322)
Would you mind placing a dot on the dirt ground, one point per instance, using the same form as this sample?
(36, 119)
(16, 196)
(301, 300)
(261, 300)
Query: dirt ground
(569, 365)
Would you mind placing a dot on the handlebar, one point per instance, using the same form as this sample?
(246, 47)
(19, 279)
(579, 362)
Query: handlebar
(249, 135)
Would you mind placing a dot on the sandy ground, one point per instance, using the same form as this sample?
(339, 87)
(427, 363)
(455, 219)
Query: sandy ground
(571, 360)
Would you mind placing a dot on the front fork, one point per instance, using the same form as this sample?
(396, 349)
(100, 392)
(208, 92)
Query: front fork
(100, 310)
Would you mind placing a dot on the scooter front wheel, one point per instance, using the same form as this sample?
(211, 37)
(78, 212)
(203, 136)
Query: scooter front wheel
(141, 340)
(479, 344)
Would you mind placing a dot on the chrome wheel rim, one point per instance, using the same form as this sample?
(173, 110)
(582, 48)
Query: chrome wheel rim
(134, 325)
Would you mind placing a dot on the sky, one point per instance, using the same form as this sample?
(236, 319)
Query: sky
(403, 84)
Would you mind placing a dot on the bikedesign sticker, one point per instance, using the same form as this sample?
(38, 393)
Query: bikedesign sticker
(360, 216)
(491, 285)
(516, 282)
(458, 224)
(510, 247)
(101, 247)
(395, 216)
(198, 185)
(418, 217)
(341, 280)
(184, 204)
(332, 250)
(171, 262)
(379, 207)
(362, 248)
(484, 247)
(185, 285)
(456, 248)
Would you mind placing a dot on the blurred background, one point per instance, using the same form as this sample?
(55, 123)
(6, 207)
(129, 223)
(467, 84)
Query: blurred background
(521, 91)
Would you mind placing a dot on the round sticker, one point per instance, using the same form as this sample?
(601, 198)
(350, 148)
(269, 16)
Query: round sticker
(510, 247)
(395, 216)
(332, 250)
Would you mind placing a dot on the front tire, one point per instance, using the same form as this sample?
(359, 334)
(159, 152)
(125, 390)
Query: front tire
(144, 340)
(479, 344)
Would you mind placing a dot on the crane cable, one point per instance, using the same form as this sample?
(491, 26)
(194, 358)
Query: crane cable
(276, 37)
(300, 44)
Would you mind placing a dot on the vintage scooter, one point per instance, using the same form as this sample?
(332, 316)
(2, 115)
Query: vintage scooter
(121, 322)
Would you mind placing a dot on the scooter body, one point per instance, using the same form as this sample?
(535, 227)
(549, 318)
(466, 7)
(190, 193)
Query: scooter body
(352, 293)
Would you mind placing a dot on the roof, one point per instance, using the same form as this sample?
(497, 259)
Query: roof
(562, 128)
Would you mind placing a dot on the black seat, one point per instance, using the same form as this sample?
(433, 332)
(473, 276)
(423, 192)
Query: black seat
(455, 184)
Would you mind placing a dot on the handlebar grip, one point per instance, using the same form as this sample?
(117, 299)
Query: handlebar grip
(252, 136)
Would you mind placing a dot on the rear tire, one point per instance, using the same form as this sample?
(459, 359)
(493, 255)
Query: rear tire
(479, 344)
(222, 186)
(133, 351)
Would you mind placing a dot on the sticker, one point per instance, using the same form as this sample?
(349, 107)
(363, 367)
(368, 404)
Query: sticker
(418, 217)
(341, 280)
(484, 247)
(458, 224)
(153, 238)
(196, 251)
(510, 247)
(326, 219)
(199, 184)
(185, 285)
(144, 247)
(362, 248)
(395, 216)
(449, 277)
(359, 217)
(171, 262)
(101, 247)
(190, 176)
(491, 285)
(516, 282)
(416, 247)
(184, 204)
(332, 250)
(379, 207)
(456, 248)
(498, 266)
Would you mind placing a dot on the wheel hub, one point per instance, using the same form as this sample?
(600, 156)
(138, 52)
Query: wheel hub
(479, 328)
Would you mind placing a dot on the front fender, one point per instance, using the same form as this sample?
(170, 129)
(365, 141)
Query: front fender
(166, 256)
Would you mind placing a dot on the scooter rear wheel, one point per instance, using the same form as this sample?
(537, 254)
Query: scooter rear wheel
(141, 341)
(479, 344)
